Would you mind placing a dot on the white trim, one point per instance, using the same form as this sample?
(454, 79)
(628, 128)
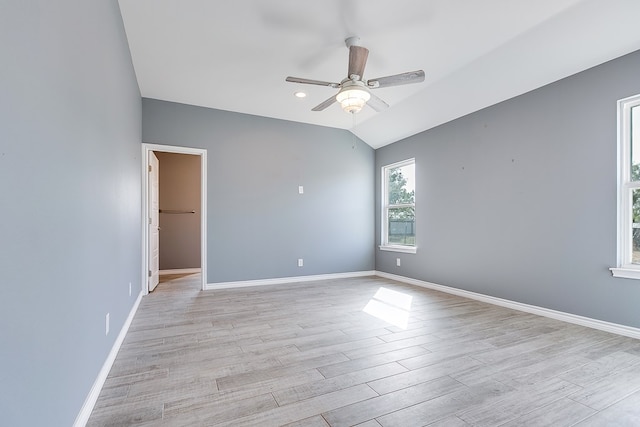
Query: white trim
(406, 162)
(624, 267)
(92, 397)
(625, 273)
(397, 248)
(146, 148)
(384, 222)
(283, 280)
(181, 271)
(614, 328)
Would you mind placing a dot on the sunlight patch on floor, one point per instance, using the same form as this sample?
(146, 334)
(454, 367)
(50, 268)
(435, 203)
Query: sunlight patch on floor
(391, 306)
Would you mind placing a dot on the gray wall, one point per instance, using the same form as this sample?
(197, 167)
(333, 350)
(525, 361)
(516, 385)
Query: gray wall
(179, 191)
(258, 225)
(518, 200)
(70, 114)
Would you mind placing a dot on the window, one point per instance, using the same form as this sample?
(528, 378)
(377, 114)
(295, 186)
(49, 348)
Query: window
(628, 189)
(398, 207)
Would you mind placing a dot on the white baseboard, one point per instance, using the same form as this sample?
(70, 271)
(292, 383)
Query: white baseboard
(181, 271)
(282, 280)
(614, 328)
(92, 398)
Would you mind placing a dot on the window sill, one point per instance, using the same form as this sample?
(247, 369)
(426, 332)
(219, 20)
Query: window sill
(398, 248)
(626, 273)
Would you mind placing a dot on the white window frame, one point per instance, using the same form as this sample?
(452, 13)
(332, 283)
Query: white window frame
(385, 246)
(624, 267)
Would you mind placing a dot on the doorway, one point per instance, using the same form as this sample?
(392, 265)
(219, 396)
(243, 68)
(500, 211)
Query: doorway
(148, 211)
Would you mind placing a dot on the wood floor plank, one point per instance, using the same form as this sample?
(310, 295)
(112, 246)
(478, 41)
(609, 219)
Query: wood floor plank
(391, 402)
(441, 407)
(518, 402)
(561, 413)
(366, 362)
(370, 423)
(421, 375)
(384, 347)
(261, 378)
(316, 421)
(624, 413)
(609, 390)
(601, 368)
(305, 409)
(451, 421)
(449, 351)
(126, 415)
(317, 388)
(344, 348)
(216, 412)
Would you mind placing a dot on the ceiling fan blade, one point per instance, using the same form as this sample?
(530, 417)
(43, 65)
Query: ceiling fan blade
(377, 103)
(357, 60)
(324, 104)
(312, 82)
(397, 79)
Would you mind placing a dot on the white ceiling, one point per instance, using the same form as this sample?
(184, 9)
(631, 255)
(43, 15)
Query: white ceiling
(235, 55)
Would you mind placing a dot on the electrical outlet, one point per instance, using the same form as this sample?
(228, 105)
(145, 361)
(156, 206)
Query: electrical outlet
(300, 189)
(106, 330)
(398, 262)
(129, 288)
(300, 262)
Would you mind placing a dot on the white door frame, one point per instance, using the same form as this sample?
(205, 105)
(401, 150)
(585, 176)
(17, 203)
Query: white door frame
(146, 148)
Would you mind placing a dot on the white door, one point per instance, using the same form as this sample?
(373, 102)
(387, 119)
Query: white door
(154, 223)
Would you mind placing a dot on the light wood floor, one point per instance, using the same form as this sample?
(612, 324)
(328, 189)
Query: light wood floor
(307, 354)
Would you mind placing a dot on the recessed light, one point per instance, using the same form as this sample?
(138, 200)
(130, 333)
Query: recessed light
(300, 94)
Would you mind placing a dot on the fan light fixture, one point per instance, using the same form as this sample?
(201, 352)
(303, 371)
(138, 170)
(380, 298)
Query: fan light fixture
(352, 99)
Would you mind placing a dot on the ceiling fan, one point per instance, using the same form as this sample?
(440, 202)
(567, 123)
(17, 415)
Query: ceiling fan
(355, 91)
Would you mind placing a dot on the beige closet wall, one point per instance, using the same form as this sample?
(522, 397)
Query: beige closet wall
(179, 191)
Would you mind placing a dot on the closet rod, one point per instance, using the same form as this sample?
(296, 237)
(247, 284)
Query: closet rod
(173, 211)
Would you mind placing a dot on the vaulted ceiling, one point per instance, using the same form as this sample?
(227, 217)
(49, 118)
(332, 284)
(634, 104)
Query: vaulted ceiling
(235, 55)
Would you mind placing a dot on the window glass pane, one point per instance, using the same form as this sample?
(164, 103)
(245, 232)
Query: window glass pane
(635, 227)
(402, 226)
(401, 185)
(635, 143)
